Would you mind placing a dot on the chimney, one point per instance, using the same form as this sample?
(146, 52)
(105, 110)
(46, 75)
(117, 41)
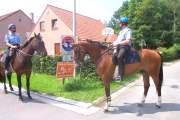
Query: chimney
(32, 16)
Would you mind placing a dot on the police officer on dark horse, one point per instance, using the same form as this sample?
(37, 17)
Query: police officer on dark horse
(12, 41)
(20, 58)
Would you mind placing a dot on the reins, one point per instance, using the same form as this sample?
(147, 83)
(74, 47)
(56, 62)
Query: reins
(106, 51)
(25, 54)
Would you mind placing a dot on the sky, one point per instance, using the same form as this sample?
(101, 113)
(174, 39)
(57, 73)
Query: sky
(98, 9)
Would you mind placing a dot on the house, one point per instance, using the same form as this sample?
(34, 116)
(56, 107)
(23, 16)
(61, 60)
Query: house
(23, 23)
(55, 23)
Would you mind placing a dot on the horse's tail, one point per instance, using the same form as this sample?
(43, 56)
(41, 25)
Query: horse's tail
(161, 72)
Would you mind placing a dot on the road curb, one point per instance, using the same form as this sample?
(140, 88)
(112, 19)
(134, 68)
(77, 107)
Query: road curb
(75, 106)
(67, 104)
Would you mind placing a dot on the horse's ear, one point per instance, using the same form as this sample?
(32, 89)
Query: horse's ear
(34, 34)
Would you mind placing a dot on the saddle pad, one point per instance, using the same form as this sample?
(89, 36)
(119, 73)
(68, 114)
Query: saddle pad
(133, 57)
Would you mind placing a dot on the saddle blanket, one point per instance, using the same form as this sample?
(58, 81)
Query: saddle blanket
(132, 57)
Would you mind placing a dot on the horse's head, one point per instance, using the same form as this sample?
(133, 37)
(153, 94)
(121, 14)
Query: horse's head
(38, 45)
(79, 53)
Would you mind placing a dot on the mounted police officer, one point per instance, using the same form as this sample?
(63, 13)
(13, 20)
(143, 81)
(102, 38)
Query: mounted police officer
(122, 46)
(12, 41)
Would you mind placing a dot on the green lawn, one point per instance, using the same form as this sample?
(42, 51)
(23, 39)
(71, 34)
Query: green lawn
(76, 88)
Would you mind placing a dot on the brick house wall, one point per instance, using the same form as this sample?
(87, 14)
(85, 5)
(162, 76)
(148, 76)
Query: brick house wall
(21, 20)
(52, 37)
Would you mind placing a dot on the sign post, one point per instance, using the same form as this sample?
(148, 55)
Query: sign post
(66, 68)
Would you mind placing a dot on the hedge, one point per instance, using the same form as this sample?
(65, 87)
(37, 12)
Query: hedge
(46, 64)
(171, 53)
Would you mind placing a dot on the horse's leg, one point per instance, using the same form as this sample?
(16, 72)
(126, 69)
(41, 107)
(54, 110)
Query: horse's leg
(146, 86)
(108, 97)
(4, 81)
(19, 86)
(9, 79)
(158, 89)
(28, 84)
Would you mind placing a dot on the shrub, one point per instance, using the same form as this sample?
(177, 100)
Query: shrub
(46, 64)
(171, 53)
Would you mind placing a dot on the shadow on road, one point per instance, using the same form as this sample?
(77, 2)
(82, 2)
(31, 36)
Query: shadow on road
(148, 108)
(26, 99)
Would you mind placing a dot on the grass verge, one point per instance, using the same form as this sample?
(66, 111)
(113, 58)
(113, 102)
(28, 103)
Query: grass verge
(74, 88)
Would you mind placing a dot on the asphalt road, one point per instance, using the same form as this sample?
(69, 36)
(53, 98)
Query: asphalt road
(124, 107)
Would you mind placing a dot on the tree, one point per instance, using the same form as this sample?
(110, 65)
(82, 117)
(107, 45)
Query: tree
(154, 22)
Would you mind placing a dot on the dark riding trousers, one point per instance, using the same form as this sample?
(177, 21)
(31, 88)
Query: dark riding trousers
(9, 55)
(123, 52)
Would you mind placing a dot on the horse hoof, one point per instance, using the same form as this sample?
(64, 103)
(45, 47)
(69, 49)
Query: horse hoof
(11, 89)
(21, 99)
(106, 110)
(158, 106)
(30, 97)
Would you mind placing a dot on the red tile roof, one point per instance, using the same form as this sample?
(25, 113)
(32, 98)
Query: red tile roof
(8, 15)
(86, 27)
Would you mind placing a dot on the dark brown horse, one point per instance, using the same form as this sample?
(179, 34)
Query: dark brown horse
(151, 65)
(21, 62)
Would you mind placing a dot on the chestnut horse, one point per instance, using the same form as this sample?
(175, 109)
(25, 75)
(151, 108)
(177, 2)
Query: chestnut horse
(150, 63)
(22, 64)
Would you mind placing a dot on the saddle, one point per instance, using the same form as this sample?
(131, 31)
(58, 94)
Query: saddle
(132, 57)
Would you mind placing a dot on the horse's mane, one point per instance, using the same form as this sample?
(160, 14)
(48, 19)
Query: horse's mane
(26, 43)
(97, 44)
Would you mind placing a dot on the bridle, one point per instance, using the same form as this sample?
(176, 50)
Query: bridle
(25, 54)
(102, 54)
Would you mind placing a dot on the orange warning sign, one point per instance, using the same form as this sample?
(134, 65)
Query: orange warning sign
(65, 69)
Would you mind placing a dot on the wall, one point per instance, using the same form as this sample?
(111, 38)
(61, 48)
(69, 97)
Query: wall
(50, 36)
(24, 24)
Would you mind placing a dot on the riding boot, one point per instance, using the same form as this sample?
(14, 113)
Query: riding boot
(120, 71)
(120, 57)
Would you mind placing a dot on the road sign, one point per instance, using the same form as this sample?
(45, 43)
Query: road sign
(65, 69)
(66, 43)
(67, 56)
(67, 50)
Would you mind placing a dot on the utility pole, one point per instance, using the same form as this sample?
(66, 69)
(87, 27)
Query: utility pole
(74, 20)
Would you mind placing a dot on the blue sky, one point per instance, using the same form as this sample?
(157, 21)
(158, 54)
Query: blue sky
(98, 9)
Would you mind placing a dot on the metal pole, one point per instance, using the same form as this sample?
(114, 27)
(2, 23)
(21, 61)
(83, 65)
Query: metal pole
(74, 21)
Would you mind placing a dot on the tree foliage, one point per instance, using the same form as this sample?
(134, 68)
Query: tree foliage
(154, 22)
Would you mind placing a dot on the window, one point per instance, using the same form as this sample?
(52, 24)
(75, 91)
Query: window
(42, 26)
(54, 24)
(19, 20)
